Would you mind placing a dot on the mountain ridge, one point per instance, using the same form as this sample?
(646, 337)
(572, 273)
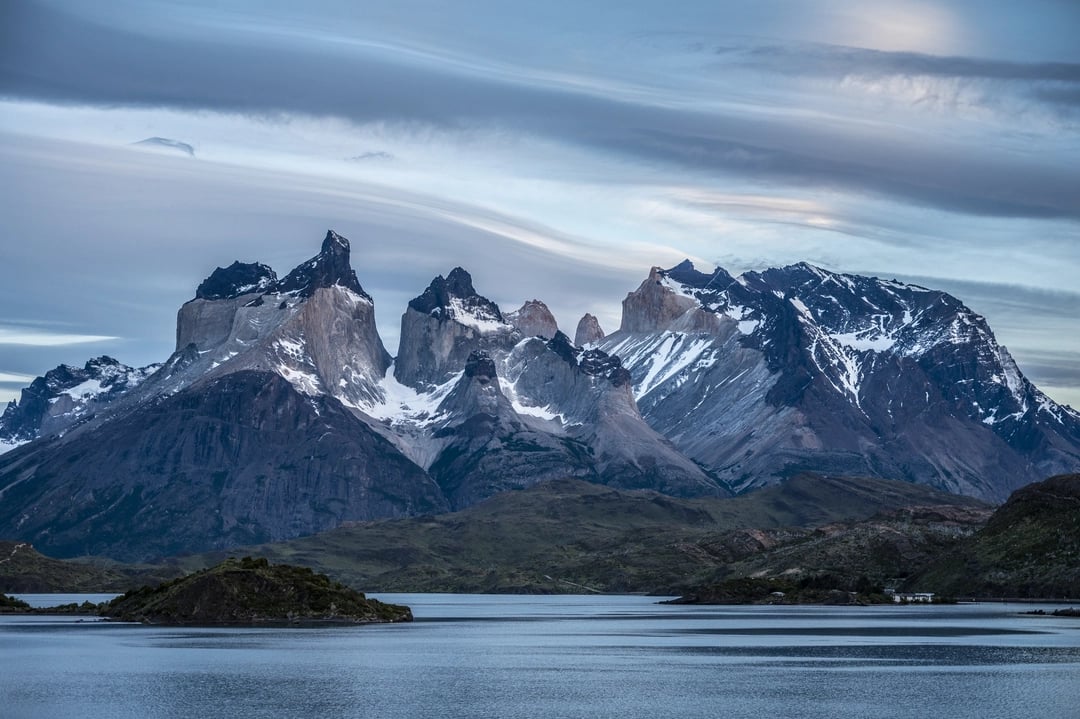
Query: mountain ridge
(712, 385)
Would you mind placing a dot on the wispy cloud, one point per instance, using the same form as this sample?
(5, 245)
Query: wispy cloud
(28, 337)
(167, 144)
(15, 378)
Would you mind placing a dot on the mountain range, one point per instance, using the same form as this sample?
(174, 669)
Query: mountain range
(281, 413)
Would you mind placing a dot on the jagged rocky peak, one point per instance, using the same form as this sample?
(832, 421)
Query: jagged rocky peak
(442, 326)
(658, 303)
(454, 298)
(328, 268)
(588, 331)
(239, 278)
(591, 362)
(322, 294)
(67, 394)
(480, 367)
(600, 364)
(534, 319)
(477, 392)
(686, 274)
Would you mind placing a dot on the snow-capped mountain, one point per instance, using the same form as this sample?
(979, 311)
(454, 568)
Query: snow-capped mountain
(65, 396)
(280, 413)
(795, 369)
(246, 433)
(546, 398)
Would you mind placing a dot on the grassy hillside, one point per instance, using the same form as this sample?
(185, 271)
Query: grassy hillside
(569, 536)
(1029, 548)
(23, 569)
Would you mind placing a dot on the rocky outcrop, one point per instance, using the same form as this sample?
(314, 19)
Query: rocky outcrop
(534, 319)
(239, 278)
(442, 326)
(316, 328)
(252, 591)
(653, 307)
(588, 331)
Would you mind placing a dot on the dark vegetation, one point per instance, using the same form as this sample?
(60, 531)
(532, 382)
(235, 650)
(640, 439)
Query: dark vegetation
(11, 604)
(251, 591)
(1030, 548)
(1070, 612)
(811, 589)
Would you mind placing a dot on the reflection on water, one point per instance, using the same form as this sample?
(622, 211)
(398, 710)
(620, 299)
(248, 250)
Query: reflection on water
(548, 657)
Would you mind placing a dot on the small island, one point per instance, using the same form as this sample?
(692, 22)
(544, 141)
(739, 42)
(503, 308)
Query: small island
(251, 591)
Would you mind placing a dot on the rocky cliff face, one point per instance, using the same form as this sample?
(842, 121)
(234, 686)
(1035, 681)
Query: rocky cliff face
(589, 394)
(487, 447)
(588, 331)
(558, 411)
(442, 326)
(241, 459)
(534, 319)
(316, 327)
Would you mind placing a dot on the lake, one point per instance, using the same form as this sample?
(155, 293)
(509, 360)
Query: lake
(563, 656)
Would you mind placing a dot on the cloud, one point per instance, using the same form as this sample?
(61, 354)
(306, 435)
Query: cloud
(369, 156)
(58, 57)
(166, 143)
(834, 61)
(141, 261)
(1042, 93)
(1055, 369)
(29, 337)
(15, 378)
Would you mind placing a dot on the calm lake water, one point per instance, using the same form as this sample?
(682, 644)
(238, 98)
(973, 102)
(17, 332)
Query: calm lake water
(545, 657)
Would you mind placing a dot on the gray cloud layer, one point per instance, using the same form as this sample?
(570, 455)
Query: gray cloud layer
(53, 56)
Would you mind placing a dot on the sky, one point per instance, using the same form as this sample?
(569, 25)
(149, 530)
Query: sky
(556, 150)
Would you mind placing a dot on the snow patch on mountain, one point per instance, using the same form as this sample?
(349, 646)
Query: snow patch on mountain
(402, 405)
(677, 352)
(476, 317)
(305, 382)
(510, 390)
(663, 357)
(6, 445)
(865, 341)
(84, 390)
(838, 363)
